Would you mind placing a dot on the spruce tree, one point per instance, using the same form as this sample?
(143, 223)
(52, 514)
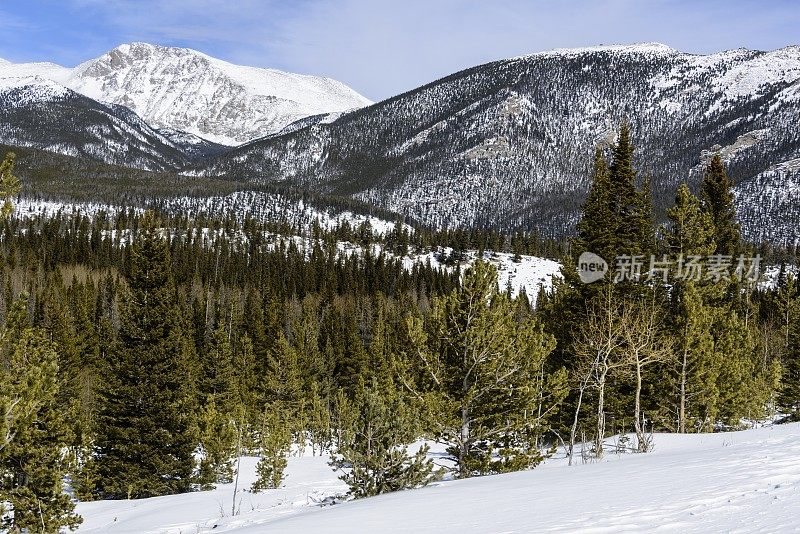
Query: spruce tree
(630, 230)
(595, 227)
(145, 436)
(717, 200)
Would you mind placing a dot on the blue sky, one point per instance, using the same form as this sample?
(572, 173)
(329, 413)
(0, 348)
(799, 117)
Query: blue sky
(381, 47)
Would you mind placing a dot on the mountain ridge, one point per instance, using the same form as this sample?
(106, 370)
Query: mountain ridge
(184, 89)
(509, 143)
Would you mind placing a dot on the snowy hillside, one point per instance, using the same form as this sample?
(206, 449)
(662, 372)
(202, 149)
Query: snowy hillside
(741, 481)
(40, 113)
(510, 143)
(186, 90)
(530, 273)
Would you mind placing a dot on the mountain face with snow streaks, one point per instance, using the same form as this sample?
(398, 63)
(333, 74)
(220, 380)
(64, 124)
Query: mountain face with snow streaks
(184, 90)
(40, 113)
(510, 143)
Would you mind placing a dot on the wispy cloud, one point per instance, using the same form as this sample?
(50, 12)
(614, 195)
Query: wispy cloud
(382, 47)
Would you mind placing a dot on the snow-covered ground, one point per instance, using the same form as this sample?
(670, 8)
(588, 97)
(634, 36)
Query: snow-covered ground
(745, 481)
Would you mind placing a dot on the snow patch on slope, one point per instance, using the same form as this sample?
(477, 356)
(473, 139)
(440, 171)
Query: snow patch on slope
(690, 483)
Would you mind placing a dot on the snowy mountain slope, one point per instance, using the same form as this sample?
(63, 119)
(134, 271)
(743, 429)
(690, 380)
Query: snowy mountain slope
(510, 143)
(727, 482)
(37, 112)
(186, 90)
(195, 147)
(45, 70)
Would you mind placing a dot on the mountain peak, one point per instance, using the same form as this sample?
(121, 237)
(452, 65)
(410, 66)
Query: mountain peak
(635, 48)
(142, 50)
(187, 90)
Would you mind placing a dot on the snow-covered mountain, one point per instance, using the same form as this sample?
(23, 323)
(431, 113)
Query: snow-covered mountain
(182, 89)
(510, 143)
(506, 144)
(37, 112)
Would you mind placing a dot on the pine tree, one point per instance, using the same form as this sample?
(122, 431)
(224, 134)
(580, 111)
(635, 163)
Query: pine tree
(218, 442)
(717, 200)
(596, 226)
(9, 185)
(480, 374)
(219, 378)
(690, 230)
(285, 382)
(790, 311)
(32, 432)
(145, 437)
(319, 421)
(274, 443)
(373, 449)
(690, 233)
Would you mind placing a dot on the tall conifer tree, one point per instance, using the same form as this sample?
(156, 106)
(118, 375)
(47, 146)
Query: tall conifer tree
(145, 437)
(717, 201)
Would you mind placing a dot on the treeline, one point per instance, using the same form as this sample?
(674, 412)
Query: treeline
(687, 341)
(132, 345)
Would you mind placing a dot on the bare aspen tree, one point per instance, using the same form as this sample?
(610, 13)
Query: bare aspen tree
(645, 344)
(599, 343)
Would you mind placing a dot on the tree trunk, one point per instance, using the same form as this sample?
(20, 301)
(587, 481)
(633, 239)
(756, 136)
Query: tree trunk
(637, 408)
(682, 400)
(601, 417)
(575, 423)
(464, 453)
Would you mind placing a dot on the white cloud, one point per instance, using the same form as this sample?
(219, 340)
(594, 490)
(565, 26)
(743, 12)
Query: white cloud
(382, 47)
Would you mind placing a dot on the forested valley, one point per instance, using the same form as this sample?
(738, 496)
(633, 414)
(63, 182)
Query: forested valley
(142, 353)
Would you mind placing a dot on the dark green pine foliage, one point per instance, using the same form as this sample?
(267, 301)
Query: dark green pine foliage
(617, 216)
(33, 432)
(790, 393)
(145, 432)
(481, 376)
(596, 222)
(218, 439)
(690, 230)
(717, 200)
(372, 451)
(631, 227)
(274, 443)
(9, 184)
(219, 380)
